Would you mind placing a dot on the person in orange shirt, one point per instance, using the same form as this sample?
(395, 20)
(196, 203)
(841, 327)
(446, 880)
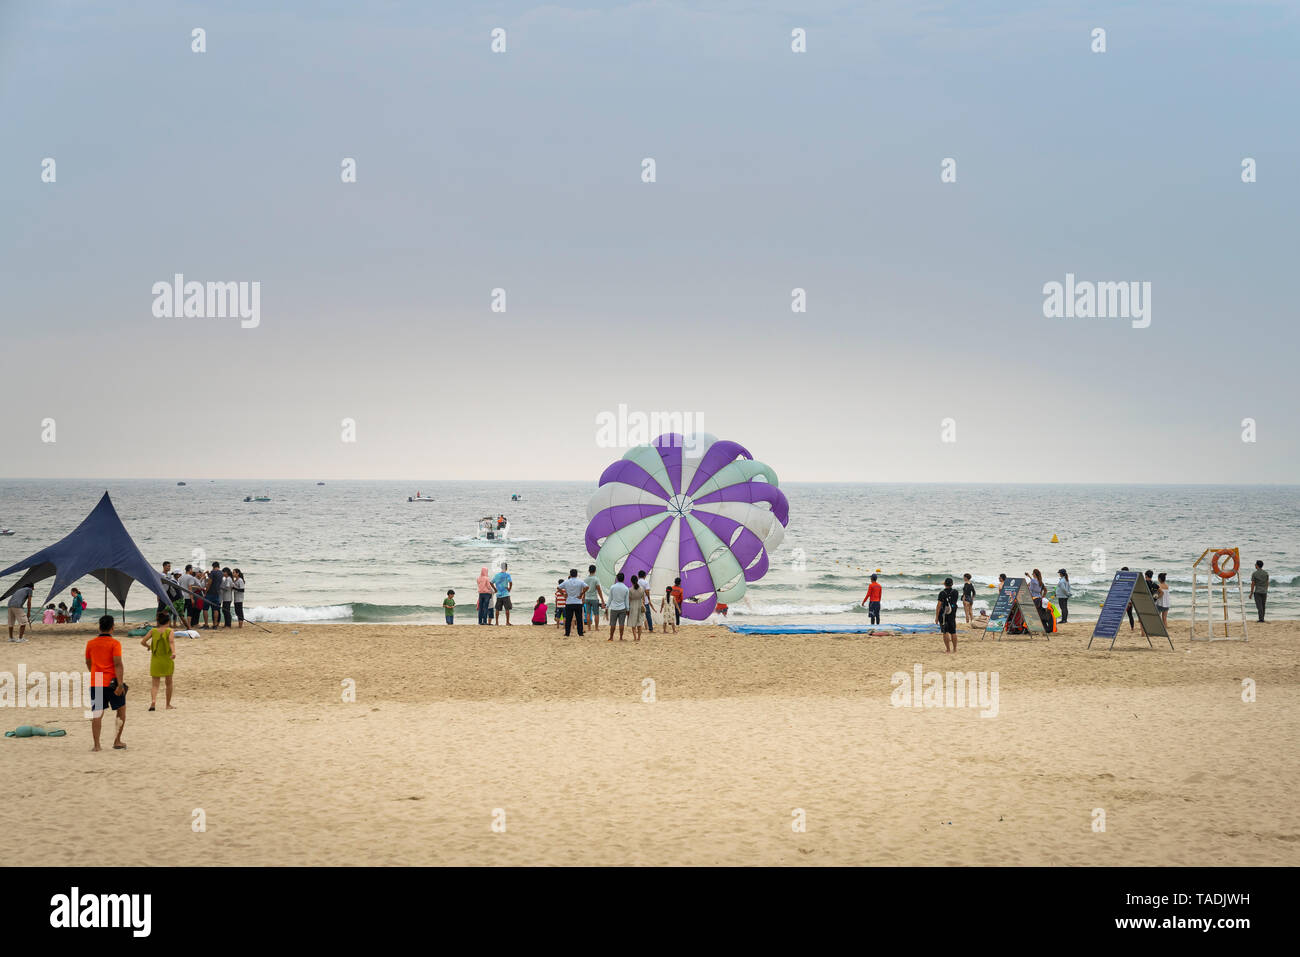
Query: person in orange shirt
(107, 680)
(678, 597)
(872, 600)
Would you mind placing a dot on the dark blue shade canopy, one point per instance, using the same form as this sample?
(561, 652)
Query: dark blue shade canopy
(99, 547)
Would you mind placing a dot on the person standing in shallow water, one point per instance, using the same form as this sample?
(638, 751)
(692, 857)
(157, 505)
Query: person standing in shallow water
(945, 615)
(485, 591)
(968, 598)
(872, 601)
(1259, 588)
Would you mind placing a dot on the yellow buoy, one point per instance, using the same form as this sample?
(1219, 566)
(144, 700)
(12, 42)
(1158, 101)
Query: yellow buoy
(877, 571)
(1055, 540)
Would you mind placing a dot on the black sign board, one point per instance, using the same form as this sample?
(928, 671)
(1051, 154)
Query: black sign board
(1129, 587)
(1013, 596)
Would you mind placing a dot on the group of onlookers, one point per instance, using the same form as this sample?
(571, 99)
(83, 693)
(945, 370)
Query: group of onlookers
(20, 611)
(209, 595)
(581, 600)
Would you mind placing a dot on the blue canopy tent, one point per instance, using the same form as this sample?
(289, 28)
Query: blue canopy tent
(100, 547)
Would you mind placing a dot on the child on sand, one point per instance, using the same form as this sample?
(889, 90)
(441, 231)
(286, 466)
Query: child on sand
(50, 614)
(62, 617)
(539, 611)
(667, 608)
(162, 658)
(449, 605)
(561, 596)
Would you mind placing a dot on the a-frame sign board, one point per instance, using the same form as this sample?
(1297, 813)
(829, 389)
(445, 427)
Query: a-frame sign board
(1014, 595)
(1129, 587)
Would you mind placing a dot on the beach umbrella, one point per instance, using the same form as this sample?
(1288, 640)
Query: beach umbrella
(691, 507)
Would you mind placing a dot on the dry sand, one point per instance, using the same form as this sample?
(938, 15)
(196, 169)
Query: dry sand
(450, 724)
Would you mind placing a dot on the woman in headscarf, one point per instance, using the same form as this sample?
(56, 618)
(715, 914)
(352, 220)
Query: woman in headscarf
(485, 591)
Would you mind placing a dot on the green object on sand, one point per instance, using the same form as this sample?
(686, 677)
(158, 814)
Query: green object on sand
(138, 632)
(35, 731)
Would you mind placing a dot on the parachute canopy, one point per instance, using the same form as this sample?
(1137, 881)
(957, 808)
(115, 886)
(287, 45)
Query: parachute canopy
(690, 507)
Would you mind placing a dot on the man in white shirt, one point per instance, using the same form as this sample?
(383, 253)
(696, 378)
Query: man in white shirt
(617, 607)
(190, 585)
(574, 590)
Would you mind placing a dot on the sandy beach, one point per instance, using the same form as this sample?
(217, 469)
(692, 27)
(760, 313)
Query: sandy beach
(452, 726)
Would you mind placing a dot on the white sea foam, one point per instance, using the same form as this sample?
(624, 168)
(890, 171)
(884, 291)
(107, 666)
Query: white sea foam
(299, 613)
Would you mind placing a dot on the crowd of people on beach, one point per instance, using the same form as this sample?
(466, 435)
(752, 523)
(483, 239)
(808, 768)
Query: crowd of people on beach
(1045, 600)
(210, 594)
(580, 600)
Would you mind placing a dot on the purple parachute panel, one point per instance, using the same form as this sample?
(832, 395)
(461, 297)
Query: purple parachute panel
(719, 454)
(629, 473)
(752, 492)
(609, 520)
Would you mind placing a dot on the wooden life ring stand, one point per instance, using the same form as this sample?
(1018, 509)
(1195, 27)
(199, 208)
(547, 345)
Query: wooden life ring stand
(1225, 553)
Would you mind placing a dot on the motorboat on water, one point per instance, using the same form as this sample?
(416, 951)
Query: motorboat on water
(180, 483)
(258, 498)
(419, 498)
(6, 531)
(493, 529)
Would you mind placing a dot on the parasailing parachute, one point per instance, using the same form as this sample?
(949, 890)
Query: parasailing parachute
(690, 507)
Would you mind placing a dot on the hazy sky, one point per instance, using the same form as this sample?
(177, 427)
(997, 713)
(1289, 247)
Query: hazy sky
(522, 170)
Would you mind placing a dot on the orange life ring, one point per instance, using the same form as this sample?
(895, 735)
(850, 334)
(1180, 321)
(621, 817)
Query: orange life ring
(1229, 553)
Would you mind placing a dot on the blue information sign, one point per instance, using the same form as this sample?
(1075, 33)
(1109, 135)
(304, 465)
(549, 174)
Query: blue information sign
(1115, 609)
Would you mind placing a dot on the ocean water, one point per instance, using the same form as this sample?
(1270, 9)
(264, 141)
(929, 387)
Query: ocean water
(360, 552)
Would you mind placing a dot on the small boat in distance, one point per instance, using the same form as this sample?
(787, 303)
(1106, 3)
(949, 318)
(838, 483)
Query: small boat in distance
(320, 483)
(419, 498)
(6, 531)
(180, 483)
(259, 498)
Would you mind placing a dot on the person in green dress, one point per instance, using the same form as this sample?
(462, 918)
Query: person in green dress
(162, 658)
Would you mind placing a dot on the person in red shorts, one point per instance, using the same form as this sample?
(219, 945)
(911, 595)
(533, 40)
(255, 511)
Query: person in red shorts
(107, 681)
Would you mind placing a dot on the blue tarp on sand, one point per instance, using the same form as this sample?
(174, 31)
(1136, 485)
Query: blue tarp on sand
(831, 629)
(100, 546)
